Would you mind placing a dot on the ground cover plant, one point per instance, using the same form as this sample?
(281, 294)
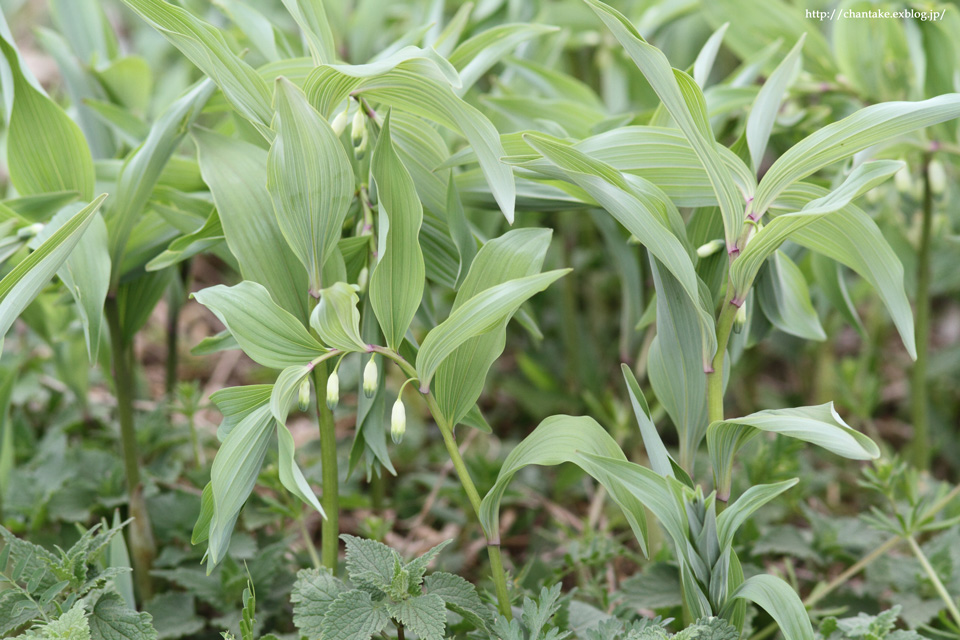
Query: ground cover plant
(306, 306)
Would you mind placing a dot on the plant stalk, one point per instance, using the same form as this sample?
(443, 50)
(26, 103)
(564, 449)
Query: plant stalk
(330, 500)
(920, 446)
(728, 313)
(142, 546)
(935, 579)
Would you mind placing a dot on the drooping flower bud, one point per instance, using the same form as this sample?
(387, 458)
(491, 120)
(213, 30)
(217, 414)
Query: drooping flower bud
(339, 123)
(362, 278)
(303, 400)
(30, 231)
(398, 421)
(359, 127)
(710, 248)
(333, 391)
(740, 320)
(360, 150)
(937, 177)
(370, 377)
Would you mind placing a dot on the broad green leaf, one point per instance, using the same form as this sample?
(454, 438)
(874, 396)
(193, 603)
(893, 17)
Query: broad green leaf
(744, 269)
(820, 425)
(46, 150)
(204, 45)
(396, 284)
(778, 599)
(336, 318)
(353, 615)
(764, 111)
(85, 273)
(475, 56)
(829, 276)
(143, 167)
(890, 76)
(25, 281)
(310, 180)
(424, 615)
(311, 17)
(268, 334)
(188, 245)
(312, 594)
(419, 86)
(254, 25)
(684, 101)
(236, 403)
(480, 314)
(290, 474)
(865, 128)
(460, 597)
(286, 388)
(129, 81)
(111, 618)
(460, 231)
(556, 440)
(735, 515)
(85, 26)
(234, 171)
(644, 211)
(233, 475)
(785, 299)
(201, 528)
(852, 238)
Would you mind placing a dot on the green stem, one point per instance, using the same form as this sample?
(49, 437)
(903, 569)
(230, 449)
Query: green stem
(308, 542)
(449, 439)
(330, 500)
(142, 547)
(935, 579)
(728, 314)
(920, 446)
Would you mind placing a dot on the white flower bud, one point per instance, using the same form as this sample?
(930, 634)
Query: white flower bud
(303, 400)
(360, 150)
(710, 248)
(333, 391)
(937, 177)
(362, 278)
(398, 421)
(370, 377)
(359, 127)
(339, 123)
(30, 231)
(740, 320)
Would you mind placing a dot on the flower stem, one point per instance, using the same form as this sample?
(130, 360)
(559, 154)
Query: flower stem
(920, 446)
(935, 579)
(728, 313)
(330, 500)
(142, 547)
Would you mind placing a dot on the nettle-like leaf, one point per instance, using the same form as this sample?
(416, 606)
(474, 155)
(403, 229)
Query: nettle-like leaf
(265, 332)
(424, 615)
(312, 594)
(111, 619)
(460, 597)
(353, 615)
(310, 179)
(820, 425)
(396, 284)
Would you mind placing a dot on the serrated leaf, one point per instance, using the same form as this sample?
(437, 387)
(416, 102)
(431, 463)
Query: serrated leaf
(354, 616)
(424, 615)
(369, 562)
(460, 597)
(110, 619)
(312, 594)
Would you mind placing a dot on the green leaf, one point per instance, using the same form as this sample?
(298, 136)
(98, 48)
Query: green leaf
(819, 425)
(25, 281)
(311, 17)
(764, 111)
(201, 529)
(290, 474)
(265, 332)
(354, 616)
(744, 269)
(865, 128)
(46, 150)
(556, 440)
(460, 597)
(424, 615)
(204, 45)
(657, 453)
(480, 314)
(684, 101)
(312, 594)
(459, 380)
(85, 273)
(785, 299)
(142, 168)
(188, 245)
(234, 171)
(286, 388)
(110, 619)
(851, 237)
(7, 460)
(396, 285)
(703, 65)
(419, 86)
(336, 318)
(777, 598)
(236, 403)
(735, 515)
(369, 562)
(233, 476)
(310, 180)
(476, 55)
